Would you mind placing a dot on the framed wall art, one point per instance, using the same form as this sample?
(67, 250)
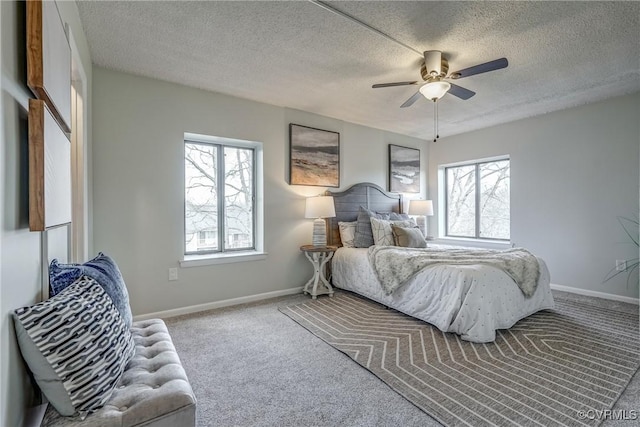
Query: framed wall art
(314, 157)
(404, 169)
(49, 170)
(49, 60)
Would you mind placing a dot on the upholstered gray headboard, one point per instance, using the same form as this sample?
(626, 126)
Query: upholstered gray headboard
(348, 202)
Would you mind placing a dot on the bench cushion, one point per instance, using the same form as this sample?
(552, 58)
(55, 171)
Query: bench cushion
(153, 391)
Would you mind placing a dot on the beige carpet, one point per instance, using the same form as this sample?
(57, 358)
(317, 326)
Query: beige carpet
(557, 367)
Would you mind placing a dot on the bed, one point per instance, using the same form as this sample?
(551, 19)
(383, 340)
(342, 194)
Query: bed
(472, 301)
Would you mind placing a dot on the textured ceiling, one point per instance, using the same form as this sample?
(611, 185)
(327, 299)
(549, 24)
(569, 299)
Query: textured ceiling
(299, 55)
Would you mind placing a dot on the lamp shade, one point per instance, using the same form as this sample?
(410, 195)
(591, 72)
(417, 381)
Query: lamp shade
(435, 90)
(320, 207)
(421, 207)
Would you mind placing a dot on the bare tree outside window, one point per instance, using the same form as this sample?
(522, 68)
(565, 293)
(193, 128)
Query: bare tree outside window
(478, 200)
(495, 200)
(201, 196)
(219, 195)
(238, 197)
(461, 201)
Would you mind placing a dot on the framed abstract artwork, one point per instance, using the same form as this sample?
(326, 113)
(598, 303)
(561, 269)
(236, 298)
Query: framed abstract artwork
(314, 156)
(49, 60)
(404, 169)
(49, 170)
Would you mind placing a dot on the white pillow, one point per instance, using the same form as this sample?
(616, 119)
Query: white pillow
(347, 233)
(382, 233)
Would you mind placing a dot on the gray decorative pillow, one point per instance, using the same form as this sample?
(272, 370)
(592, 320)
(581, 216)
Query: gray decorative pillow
(398, 216)
(381, 228)
(347, 233)
(364, 235)
(77, 345)
(408, 237)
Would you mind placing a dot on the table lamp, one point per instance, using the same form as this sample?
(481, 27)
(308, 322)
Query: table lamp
(421, 209)
(319, 208)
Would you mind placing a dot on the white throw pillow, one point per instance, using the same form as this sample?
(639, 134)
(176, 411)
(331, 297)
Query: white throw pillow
(347, 233)
(382, 233)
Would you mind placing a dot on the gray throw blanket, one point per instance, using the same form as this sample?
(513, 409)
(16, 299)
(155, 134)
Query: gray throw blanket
(394, 266)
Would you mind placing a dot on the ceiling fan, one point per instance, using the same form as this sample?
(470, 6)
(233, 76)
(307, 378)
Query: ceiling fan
(434, 71)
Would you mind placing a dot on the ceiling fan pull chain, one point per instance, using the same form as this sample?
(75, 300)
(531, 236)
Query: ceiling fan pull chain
(435, 120)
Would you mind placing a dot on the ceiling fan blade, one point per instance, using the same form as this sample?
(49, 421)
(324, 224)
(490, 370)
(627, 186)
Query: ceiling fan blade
(409, 102)
(393, 84)
(460, 92)
(481, 68)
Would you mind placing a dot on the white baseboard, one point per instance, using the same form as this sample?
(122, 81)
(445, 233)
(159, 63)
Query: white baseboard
(258, 297)
(596, 294)
(216, 304)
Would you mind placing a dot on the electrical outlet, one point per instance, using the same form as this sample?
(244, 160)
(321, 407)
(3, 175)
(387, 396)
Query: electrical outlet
(621, 265)
(173, 274)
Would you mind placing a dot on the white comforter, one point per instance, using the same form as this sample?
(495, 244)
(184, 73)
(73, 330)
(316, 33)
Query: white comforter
(470, 300)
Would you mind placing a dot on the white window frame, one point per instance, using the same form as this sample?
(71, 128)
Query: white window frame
(257, 252)
(442, 202)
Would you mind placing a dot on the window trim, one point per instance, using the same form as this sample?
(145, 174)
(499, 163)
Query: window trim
(220, 177)
(193, 259)
(477, 216)
(221, 258)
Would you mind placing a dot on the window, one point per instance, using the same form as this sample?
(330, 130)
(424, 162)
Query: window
(477, 202)
(220, 196)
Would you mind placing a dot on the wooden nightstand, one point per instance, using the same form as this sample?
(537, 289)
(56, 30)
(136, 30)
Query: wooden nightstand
(319, 256)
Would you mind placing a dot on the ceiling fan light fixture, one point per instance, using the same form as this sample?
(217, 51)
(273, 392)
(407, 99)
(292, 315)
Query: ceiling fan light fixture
(435, 90)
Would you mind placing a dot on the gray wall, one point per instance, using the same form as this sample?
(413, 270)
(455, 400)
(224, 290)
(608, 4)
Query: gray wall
(20, 249)
(572, 173)
(138, 186)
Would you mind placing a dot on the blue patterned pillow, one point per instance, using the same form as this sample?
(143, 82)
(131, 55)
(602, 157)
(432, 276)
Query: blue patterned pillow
(104, 270)
(76, 345)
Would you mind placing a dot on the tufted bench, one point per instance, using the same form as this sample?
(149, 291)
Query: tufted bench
(153, 391)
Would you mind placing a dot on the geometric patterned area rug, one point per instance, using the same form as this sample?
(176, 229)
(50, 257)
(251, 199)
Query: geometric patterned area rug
(556, 367)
